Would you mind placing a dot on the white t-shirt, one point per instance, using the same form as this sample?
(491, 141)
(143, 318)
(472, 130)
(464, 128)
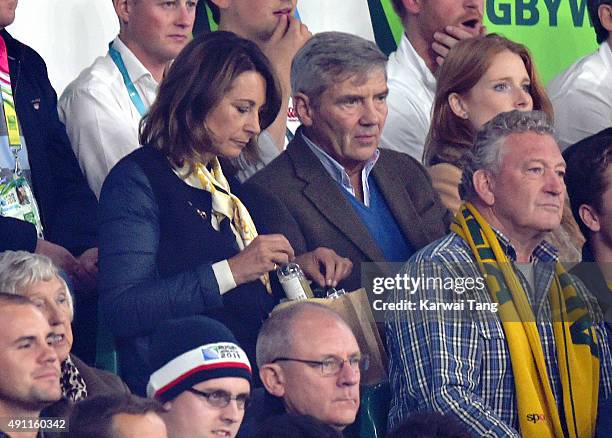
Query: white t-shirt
(100, 118)
(268, 150)
(582, 97)
(412, 87)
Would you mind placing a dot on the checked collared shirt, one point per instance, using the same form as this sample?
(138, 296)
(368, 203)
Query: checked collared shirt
(458, 363)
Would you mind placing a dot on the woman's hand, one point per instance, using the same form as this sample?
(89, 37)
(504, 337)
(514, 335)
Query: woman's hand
(261, 256)
(87, 271)
(59, 255)
(325, 261)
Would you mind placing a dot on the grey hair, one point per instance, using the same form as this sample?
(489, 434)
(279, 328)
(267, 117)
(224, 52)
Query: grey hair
(21, 269)
(487, 152)
(276, 334)
(331, 57)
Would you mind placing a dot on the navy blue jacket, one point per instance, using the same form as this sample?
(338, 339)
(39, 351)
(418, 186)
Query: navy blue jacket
(157, 247)
(67, 205)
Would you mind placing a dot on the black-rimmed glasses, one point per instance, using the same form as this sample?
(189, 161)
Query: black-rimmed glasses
(332, 365)
(220, 399)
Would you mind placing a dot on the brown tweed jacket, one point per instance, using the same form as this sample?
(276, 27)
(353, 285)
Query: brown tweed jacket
(295, 196)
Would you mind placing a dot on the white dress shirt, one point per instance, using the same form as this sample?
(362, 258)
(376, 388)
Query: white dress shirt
(100, 118)
(412, 87)
(582, 97)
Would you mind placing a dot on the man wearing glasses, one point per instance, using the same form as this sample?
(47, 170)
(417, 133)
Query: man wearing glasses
(202, 377)
(309, 363)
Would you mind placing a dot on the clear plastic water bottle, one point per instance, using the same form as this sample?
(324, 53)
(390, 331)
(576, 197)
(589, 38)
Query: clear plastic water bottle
(294, 282)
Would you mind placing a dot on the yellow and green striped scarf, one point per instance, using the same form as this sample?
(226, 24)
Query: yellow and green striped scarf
(573, 330)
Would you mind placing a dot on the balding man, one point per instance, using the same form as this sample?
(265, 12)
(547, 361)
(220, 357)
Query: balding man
(310, 364)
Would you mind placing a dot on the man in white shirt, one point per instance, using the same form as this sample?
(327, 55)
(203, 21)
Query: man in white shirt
(103, 106)
(582, 94)
(431, 28)
(271, 25)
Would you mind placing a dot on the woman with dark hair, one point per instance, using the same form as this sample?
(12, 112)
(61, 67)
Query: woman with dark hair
(480, 78)
(174, 239)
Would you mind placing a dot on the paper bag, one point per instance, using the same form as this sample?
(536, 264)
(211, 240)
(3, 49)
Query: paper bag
(354, 308)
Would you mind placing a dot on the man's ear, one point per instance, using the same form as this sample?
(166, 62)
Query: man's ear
(605, 16)
(484, 185)
(589, 217)
(122, 9)
(458, 106)
(273, 379)
(303, 108)
(413, 6)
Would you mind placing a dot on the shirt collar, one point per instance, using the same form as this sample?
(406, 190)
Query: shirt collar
(605, 51)
(544, 252)
(406, 51)
(133, 65)
(335, 169)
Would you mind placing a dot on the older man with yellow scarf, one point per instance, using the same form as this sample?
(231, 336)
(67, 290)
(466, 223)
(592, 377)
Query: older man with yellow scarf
(536, 361)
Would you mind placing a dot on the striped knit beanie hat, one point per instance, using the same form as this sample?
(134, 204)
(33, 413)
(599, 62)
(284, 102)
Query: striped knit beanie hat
(187, 351)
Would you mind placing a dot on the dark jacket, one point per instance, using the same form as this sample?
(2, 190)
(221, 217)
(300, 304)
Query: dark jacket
(312, 211)
(264, 406)
(98, 382)
(157, 248)
(67, 205)
(590, 274)
(39, 435)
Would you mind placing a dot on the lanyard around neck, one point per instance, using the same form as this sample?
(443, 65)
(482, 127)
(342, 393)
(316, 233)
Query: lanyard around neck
(129, 85)
(8, 106)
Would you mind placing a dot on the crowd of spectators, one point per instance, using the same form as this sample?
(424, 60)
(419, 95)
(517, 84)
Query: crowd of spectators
(156, 200)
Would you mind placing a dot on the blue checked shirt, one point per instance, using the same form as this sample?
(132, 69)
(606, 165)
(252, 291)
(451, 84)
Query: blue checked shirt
(338, 174)
(458, 363)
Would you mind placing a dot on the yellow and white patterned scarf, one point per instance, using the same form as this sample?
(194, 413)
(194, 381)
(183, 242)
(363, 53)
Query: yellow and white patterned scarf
(227, 205)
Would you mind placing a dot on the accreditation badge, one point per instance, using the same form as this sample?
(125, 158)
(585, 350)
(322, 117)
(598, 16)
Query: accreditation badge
(17, 201)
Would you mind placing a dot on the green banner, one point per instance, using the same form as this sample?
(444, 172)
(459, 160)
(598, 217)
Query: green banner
(556, 31)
